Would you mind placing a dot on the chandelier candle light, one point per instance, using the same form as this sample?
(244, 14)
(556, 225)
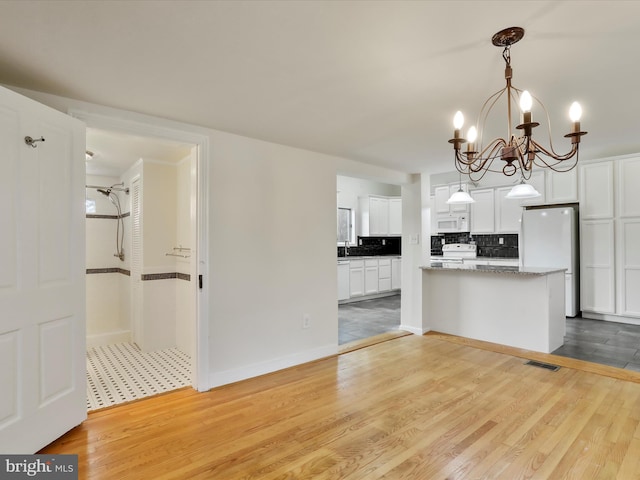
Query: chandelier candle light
(519, 152)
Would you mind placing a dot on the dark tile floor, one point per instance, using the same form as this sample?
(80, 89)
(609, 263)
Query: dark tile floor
(606, 343)
(367, 318)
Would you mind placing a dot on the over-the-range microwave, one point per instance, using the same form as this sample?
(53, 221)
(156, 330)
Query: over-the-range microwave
(452, 222)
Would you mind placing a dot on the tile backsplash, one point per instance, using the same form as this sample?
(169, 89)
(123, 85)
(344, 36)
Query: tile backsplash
(374, 246)
(488, 245)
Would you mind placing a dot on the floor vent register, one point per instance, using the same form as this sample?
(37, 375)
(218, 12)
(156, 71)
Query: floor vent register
(546, 366)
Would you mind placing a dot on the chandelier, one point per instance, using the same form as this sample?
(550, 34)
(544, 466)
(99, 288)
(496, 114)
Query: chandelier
(518, 152)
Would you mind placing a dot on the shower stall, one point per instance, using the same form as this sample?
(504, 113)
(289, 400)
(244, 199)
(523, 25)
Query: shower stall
(143, 290)
(109, 192)
(108, 270)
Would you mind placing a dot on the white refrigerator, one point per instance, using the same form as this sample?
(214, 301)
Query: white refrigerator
(549, 238)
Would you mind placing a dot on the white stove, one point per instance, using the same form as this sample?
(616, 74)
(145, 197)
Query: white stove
(454, 253)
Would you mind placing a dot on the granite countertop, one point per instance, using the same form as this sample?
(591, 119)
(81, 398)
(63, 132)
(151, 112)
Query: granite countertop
(493, 269)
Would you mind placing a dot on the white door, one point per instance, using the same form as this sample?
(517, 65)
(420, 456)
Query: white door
(42, 275)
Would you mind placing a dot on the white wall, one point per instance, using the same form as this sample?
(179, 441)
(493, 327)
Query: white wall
(271, 252)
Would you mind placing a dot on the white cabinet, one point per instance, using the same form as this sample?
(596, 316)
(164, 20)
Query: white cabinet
(395, 216)
(597, 287)
(344, 288)
(378, 216)
(396, 273)
(537, 181)
(508, 212)
(458, 208)
(356, 278)
(442, 193)
(561, 187)
(370, 276)
(384, 274)
(483, 211)
(629, 283)
(596, 191)
(628, 183)
(597, 247)
(381, 216)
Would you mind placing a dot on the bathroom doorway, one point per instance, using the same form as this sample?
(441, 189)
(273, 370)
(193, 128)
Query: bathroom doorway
(141, 203)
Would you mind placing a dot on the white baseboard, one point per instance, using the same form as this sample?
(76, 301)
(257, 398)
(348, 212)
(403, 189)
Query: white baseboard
(98, 339)
(611, 318)
(217, 379)
(414, 330)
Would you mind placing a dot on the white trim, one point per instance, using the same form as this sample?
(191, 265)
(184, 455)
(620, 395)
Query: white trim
(254, 370)
(97, 339)
(608, 317)
(150, 127)
(414, 330)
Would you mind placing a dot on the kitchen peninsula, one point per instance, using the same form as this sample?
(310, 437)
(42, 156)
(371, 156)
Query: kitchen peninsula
(514, 306)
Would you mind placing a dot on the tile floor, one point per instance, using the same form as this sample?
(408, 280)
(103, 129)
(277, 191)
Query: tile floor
(606, 343)
(120, 373)
(367, 318)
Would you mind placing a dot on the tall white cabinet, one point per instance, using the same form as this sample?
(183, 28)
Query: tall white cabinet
(597, 260)
(610, 238)
(628, 235)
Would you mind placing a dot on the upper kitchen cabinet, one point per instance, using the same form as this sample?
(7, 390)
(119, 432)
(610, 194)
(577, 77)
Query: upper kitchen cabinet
(395, 216)
(443, 193)
(378, 216)
(483, 211)
(537, 180)
(562, 187)
(596, 190)
(508, 211)
(628, 187)
(381, 215)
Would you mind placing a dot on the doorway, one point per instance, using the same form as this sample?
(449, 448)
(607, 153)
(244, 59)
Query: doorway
(141, 271)
(369, 227)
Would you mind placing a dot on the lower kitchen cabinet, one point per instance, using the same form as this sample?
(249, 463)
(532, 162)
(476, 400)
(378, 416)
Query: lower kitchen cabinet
(344, 283)
(371, 276)
(356, 278)
(384, 274)
(396, 273)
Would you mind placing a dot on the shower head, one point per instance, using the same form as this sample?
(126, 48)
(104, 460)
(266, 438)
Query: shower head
(106, 192)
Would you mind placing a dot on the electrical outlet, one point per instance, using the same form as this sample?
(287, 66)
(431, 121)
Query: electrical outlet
(306, 320)
(442, 241)
(501, 241)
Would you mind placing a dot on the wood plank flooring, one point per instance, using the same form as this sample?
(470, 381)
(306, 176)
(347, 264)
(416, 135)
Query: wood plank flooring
(415, 407)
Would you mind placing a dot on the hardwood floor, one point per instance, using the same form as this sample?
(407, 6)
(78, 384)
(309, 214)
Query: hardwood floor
(418, 407)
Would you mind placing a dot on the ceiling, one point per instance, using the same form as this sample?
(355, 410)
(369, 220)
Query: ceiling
(114, 153)
(374, 81)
